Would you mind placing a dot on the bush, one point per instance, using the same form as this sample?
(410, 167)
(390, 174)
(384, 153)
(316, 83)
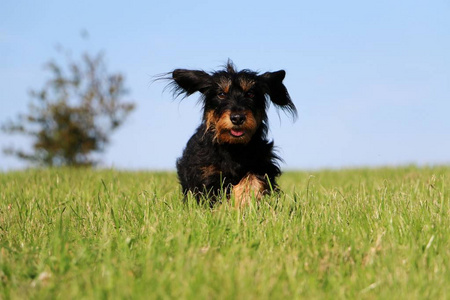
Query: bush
(73, 115)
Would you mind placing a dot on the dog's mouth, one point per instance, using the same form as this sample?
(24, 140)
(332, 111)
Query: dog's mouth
(237, 133)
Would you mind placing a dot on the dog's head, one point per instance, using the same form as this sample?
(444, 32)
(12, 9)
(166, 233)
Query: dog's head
(234, 102)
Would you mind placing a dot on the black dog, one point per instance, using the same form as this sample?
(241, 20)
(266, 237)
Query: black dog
(229, 152)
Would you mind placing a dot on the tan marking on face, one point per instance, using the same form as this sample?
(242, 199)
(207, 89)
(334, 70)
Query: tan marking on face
(250, 187)
(246, 84)
(210, 120)
(224, 84)
(223, 127)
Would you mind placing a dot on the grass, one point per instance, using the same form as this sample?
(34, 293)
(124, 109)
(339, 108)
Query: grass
(358, 234)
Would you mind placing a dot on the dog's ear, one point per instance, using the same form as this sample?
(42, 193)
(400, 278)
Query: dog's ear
(274, 87)
(190, 81)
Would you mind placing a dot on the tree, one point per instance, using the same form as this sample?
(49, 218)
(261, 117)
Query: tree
(73, 115)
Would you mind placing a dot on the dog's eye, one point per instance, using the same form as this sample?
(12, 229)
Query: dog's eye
(250, 95)
(222, 95)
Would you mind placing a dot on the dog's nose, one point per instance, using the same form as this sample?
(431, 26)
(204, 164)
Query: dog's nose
(237, 119)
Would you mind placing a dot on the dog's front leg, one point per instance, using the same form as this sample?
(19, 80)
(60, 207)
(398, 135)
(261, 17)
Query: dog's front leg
(250, 187)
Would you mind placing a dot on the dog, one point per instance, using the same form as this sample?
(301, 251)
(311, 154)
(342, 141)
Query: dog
(229, 154)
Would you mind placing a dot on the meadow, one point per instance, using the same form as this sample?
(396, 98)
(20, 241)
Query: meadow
(106, 234)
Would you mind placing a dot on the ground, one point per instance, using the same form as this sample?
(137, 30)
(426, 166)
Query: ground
(367, 233)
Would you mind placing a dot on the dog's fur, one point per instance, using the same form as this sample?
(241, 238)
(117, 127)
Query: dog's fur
(229, 152)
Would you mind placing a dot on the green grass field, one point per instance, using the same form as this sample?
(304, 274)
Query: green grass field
(353, 234)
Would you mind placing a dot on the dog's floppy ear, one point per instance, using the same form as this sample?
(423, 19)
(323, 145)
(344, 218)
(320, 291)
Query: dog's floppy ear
(190, 81)
(277, 92)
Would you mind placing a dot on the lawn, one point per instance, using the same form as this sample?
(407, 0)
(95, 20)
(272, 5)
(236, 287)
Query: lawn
(348, 234)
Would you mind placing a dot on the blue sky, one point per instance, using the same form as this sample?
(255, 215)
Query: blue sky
(370, 79)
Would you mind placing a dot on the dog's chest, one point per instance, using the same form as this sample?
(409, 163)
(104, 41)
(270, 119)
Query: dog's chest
(235, 163)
